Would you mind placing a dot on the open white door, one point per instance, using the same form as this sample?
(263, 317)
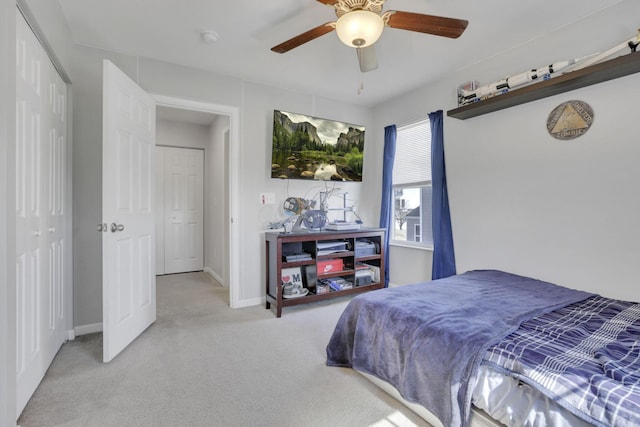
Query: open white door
(128, 238)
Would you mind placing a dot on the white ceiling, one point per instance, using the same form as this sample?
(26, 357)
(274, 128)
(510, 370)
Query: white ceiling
(170, 30)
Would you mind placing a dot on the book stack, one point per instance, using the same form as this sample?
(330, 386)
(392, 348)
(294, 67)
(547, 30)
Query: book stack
(342, 226)
(322, 287)
(363, 270)
(336, 284)
(331, 247)
(296, 256)
(366, 247)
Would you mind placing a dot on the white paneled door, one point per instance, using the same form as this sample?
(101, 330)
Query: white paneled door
(181, 213)
(128, 234)
(42, 263)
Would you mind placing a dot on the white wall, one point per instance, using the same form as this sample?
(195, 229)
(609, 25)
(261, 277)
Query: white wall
(524, 202)
(562, 211)
(409, 265)
(173, 133)
(216, 208)
(256, 103)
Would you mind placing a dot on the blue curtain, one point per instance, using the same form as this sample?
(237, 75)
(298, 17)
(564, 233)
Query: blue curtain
(386, 205)
(444, 261)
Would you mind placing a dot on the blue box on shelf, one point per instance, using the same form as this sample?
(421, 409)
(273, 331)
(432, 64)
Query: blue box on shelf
(366, 248)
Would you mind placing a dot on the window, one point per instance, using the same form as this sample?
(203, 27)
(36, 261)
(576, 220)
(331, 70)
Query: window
(412, 185)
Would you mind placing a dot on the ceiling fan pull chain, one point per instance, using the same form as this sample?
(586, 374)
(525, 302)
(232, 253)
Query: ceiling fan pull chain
(361, 87)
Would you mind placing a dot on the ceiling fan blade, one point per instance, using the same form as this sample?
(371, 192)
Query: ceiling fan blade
(327, 2)
(429, 24)
(303, 38)
(367, 58)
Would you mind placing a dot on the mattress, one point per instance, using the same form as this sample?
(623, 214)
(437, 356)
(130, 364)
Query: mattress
(498, 400)
(514, 403)
(478, 417)
(569, 363)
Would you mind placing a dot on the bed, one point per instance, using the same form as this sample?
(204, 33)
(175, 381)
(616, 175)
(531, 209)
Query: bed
(492, 348)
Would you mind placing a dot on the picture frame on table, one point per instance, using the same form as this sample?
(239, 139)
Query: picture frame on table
(291, 276)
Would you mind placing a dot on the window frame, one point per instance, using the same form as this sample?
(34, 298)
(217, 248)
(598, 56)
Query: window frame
(419, 185)
(408, 243)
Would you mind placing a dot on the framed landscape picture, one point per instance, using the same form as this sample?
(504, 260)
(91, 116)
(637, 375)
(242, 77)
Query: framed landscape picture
(311, 148)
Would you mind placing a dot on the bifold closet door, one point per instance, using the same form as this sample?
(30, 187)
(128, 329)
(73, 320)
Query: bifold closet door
(183, 211)
(42, 263)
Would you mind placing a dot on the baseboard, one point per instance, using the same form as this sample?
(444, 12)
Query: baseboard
(215, 276)
(241, 303)
(250, 302)
(71, 335)
(87, 329)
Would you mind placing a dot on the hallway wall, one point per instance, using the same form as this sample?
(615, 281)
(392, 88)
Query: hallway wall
(176, 134)
(216, 208)
(172, 133)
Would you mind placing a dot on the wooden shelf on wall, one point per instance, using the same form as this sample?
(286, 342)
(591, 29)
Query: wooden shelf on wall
(597, 73)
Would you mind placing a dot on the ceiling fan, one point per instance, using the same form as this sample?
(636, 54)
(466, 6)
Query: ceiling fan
(360, 24)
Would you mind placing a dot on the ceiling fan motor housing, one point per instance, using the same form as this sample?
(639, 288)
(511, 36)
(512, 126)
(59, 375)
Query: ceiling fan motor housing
(346, 6)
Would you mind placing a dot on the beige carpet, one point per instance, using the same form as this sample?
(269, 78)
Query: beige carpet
(205, 364)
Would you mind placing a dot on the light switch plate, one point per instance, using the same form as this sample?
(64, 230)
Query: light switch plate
(267, 198)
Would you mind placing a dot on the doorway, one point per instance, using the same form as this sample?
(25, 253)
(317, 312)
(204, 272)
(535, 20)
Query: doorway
(220, 182)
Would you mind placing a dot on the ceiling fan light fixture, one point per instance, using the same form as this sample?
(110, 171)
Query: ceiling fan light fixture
(359, 28)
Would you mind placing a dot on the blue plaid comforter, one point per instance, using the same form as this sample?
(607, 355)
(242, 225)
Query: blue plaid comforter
(585, 356)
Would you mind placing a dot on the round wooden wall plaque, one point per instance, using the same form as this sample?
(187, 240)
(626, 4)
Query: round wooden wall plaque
(570, 120)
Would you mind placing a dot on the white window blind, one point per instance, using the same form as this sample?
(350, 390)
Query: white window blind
(412, 162)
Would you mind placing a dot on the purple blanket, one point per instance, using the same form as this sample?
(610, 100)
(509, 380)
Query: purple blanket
(428, 339)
